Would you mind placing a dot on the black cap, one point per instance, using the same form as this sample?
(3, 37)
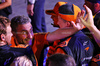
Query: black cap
(66, 9)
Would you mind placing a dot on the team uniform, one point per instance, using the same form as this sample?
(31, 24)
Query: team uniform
(8, 54)
(39, 44)
(76, 49)
(78, 46)
(95, 60)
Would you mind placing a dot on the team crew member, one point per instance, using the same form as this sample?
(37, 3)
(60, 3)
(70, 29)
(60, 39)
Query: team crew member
(78, 44)
(89, 23)
(8, 54)
(94, 5)
(23, 35)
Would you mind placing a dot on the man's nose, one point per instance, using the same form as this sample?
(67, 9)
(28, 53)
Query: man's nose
(30, 35)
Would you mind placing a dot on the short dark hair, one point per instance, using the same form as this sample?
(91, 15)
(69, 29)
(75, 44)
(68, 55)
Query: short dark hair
(15, 21)
(4, 22)
(60, 60)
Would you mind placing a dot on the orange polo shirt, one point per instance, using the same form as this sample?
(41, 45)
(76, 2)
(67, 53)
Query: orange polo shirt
(38, 43)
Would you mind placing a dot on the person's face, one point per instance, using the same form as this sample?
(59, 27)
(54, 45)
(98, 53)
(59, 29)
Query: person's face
(62, 23)
(9, 34)
(54, 17)
(89, 4)
(24, 34)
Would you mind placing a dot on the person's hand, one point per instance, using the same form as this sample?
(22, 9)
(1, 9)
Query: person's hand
(30, 9)
(78, 24)
(87, 20)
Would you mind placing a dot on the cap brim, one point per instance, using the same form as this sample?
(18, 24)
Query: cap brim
(50, 12)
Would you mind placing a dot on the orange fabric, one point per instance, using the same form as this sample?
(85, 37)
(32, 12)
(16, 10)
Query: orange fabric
(57, 7)
(59, 50)
(54, 49)
(96, 58)
(87, 48)
(65, 43)
(14, 45)
(20, 46)
(12, 42)
(55, 10)
(64, 16)
(71, 17)
(39, 43)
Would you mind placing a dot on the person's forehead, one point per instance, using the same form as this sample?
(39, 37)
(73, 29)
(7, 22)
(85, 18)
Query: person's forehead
(26, 26)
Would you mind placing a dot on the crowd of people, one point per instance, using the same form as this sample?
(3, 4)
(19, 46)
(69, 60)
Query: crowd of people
(75, 43)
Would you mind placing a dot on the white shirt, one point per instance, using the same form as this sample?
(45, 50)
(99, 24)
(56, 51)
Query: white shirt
(32, 1)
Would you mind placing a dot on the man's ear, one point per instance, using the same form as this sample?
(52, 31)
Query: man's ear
(2, 37)
(97, 5)
(68, 24)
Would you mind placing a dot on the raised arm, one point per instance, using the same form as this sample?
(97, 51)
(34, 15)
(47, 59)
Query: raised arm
(30, 7)
(89, 23)
(5, 4)
(64, 32)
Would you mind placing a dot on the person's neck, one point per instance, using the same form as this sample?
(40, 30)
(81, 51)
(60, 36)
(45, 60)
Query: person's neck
(96, 12)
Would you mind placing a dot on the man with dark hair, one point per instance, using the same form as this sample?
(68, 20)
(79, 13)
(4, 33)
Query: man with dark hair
(60, 60)
(23, 36)
(8, 54)
(22, 31)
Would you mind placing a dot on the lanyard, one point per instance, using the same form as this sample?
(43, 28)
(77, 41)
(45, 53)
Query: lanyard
(96, 14)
